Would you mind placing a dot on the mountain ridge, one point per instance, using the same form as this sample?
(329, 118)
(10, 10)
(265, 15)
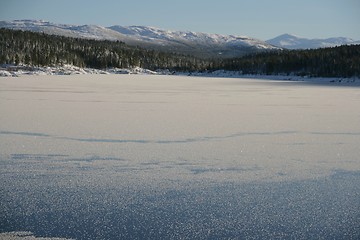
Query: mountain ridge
(207, 45)
(185, 42)
(291, 41)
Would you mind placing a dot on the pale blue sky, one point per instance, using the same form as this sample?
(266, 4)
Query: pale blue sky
(263, 19)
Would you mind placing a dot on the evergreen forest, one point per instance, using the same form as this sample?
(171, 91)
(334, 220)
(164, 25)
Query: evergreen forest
(38, 49)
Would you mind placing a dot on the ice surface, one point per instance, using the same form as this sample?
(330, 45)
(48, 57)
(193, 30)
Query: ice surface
(147, 156)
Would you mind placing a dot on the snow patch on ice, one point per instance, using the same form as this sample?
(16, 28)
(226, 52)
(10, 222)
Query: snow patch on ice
(24, 236)
(4, 73)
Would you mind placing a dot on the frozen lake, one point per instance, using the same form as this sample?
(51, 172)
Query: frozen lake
(171, 157)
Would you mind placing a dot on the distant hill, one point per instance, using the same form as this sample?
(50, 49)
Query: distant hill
(293, 42)
(184, 42)
(201, 44)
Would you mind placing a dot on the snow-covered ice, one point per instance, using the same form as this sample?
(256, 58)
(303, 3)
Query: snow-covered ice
(157, 156)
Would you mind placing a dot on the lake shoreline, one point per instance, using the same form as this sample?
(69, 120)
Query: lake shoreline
(24, 70)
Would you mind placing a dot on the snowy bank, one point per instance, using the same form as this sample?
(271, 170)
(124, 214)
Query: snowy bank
(15, 71)
(20, 70)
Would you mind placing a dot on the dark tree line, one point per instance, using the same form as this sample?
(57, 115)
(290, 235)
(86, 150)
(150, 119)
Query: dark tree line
(38, 49)
(342, 61)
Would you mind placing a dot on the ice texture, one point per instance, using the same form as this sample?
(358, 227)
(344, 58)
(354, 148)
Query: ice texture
(169, 157)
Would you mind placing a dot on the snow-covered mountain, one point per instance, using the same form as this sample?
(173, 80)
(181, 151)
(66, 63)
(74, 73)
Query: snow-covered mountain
(200, 44)
(190, 42)
(294, 42)
(84, 31)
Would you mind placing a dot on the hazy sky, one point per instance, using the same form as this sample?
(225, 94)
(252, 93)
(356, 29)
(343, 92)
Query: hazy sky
(263, 19)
